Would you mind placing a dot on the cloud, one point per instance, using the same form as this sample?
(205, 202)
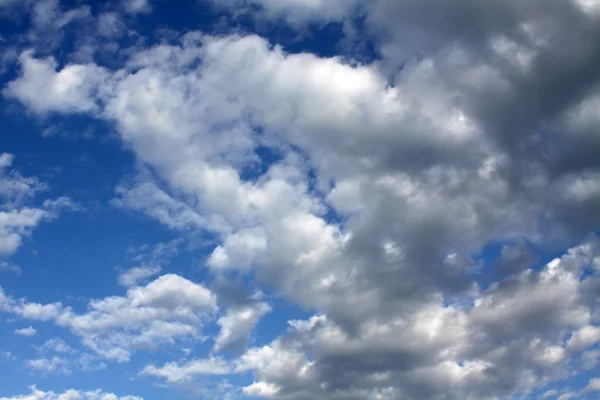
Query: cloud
(166, 309)
(143, 195)
(592, 386)
(56, 345)
(439, 346)
(132, 276)
(180, 373)
(44, 366)
(382, 185)
(7, 267)
(17, 220)
(29, 331)
(550, 393)
(296, 12)
(15, 188)
(69, 394)
(137, 6)
(44, 90)
(57, 357)
(237, 324)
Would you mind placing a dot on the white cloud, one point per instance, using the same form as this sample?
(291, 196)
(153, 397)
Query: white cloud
(56, 345)
(137, 6)
(110, 24)
(166, 309)
(593, 385)
(238, 323)
(45, 366)
(57, 357)
(37, 394)
(16, 224)
(146, 197)
(29, 331)
(239, 250)
(132, 276)
(15, 188)
(261, 389)
(47, 14)
(297, 12)
(445, 144)
(584, 337)
(550, 393)
(8, 267)
(171, 291)
(16, 219)
(45, 90)
(180, 373)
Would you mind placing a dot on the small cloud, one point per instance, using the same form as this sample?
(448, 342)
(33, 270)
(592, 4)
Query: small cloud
(56, 345)
(29, 331)
(7, 267)
(132, 276)
(137, 6)
(54, 365)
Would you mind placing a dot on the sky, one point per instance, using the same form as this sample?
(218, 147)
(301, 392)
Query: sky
(299, 199)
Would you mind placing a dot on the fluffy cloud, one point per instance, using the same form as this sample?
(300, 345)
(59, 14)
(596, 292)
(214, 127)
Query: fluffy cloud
(136, 274)
(55, 356)
(54, 365)
(166, 309)
(137, 6)
(37, 394)
(17, 220)
(238, 323)
(506, 339)
(179, 373)
(43, 88)
(592, 386)
(382, 184)
(29, 331)
(143, 195)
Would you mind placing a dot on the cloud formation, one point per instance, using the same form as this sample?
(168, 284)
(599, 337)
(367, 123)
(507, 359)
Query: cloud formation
(366, 194)
(166, 309)
(37, 394)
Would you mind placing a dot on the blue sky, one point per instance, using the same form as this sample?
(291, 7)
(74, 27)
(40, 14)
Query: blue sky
(344, 199)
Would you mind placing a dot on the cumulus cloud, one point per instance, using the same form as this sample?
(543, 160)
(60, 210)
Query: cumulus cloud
(55, 356)
(166, 309)
(180, 373)
(237, 324)
(43, 89)
(17, 219)
(149, 262)
(29, 331)
(45, 366)
(143, 195)
(440, 346)
(69, 394)
(387, 181)
(133, 275)
(56, 345)
(592, 386)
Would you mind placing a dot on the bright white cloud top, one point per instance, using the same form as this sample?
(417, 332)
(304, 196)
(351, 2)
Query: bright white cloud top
(413, 217)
